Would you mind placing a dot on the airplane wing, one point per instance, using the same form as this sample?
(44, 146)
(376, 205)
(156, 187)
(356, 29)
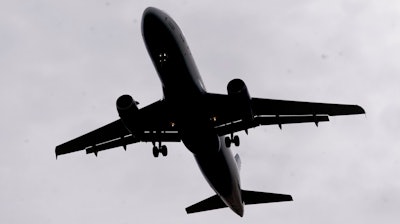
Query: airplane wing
(284, 107)
(272, 112)
(153, 126)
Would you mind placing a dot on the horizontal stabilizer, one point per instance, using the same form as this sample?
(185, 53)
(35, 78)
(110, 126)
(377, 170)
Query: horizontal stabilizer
(211, 203)
(249, 197)
(254, 197)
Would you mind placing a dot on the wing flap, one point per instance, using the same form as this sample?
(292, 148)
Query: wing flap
(269, 120)
(269, 112)
(123, 141)
(109, 132)
(131, 139)
(290, 119)
(152, 123)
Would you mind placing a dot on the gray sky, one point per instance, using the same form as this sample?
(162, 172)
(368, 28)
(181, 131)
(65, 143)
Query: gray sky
(64, 63)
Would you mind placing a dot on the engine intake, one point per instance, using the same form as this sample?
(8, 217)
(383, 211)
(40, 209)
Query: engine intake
(127, 108)
(237, 89)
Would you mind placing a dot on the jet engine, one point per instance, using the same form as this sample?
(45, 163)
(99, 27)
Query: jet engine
(127, 107)
(237, 89)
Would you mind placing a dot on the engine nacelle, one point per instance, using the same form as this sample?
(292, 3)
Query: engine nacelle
(127, 108)
(237, 89)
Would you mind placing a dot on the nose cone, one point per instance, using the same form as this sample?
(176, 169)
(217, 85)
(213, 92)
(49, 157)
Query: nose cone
(154, 26)
(152, 17)
(149, 19)
(151, 12)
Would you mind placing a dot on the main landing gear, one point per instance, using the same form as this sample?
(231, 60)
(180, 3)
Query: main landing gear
(162, 148)
(233, 139)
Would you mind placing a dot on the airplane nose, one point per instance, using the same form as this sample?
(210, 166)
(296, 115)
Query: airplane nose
(149, 11)
(149, 17)
(152, 14)
(152, 23)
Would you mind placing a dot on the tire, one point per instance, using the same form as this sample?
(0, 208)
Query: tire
(155, 151)
(228, 142)
(164, 150)
(236, 140)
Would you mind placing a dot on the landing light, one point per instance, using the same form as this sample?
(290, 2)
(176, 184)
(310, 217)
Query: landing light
(163, 57)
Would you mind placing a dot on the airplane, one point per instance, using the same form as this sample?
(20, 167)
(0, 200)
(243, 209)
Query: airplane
(205, 122)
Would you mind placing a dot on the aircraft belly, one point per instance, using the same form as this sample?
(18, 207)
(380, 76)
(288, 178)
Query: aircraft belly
(196, 131)
(222, 175)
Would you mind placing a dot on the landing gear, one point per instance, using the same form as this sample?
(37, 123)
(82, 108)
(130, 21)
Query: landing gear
(228, 142)
(236, 140)
(164, 150)
(233, 139)
(155, 151)
(161, 149)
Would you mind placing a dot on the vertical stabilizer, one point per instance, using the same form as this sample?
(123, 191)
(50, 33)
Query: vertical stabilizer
(238, 161)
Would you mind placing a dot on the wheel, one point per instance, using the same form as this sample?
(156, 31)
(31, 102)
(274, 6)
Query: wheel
(155, 151)
(228, 142)
(164, 150)
(236, 140)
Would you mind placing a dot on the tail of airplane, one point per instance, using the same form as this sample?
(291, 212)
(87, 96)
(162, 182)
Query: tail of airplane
(238, 161)
(254, 197)
(248, 197)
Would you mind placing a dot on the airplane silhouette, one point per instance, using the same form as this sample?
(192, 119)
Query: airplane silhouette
(205, 122)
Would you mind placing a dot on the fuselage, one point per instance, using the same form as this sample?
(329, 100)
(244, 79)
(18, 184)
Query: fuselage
(184, 90)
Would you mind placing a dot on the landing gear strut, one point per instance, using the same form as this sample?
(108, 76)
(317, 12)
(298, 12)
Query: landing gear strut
(233, 139)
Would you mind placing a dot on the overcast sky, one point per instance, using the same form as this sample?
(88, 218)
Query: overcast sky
(64, 63)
